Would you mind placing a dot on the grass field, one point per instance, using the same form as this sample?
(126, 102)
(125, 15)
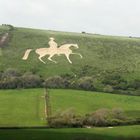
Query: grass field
(87, 102)
(26, 107)
(21, 108)
(116, 133)
(100, 52)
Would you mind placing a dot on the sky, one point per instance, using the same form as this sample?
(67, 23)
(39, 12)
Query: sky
(109, 17)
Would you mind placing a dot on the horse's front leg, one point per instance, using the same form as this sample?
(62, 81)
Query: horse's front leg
(67, 56)
(50, 58)
(41, 59)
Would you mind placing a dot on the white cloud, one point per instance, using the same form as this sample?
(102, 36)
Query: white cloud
(117, 17)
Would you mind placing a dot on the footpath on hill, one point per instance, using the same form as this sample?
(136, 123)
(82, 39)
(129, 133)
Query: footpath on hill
(3, 40)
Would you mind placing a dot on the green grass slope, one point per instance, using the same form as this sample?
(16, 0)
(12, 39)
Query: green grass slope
(26, 107)
(103, 53)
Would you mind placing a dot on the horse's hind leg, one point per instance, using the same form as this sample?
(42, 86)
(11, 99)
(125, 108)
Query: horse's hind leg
(67, 56)
(49, 58)
(41, 59)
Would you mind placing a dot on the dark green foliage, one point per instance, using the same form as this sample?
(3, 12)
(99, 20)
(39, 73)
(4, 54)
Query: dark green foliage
(101, 117)
(67, 118)
(56, 82)
(135, 84)
(12, 78)
(86, 70)
(106, 117)
(11, 72)
(86, 83)
(107, 82)
(30, 80)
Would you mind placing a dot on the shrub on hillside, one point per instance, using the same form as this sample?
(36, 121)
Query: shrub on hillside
(134, 84)
(10, 83)
(10, 72)
(30, 80)
(98, 118)
(56, 82)
(101, 117)
(114, 83)
(65, 119)
(105, 117)
(86, 83)
(108, 88)
(86, 70)
(10, 79)
(118, 113)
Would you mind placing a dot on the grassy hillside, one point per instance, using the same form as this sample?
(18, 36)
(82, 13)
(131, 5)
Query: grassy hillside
(116, 133)
(26, 107)
(102, 53)
(109, 64)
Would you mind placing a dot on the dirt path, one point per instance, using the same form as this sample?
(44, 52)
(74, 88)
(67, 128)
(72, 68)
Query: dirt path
(4, 39)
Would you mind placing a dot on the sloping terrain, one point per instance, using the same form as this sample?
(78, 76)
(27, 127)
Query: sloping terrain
(102, 53)
(109, 63)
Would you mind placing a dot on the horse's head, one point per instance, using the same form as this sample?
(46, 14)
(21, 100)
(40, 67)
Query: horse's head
(76, 46)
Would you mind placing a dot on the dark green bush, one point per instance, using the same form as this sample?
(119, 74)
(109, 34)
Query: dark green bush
(105, 117)
(65, 119)
(10, 83)
(134, 84)
(10, 72)
(30, 80)
(101, 117)
(86, 83)
(98, 118)
(56, 82)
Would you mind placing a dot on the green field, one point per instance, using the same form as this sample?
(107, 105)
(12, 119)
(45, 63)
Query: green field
(27, 107)
(87, 102)
(116, 133)
(21, 108)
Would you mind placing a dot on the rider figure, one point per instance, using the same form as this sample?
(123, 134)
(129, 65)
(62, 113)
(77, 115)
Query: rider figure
(52, 43)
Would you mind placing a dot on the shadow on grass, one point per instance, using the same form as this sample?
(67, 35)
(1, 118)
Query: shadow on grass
(56, 134)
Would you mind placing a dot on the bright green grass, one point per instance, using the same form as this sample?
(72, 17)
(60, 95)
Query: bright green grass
(101, 52)
(116, 133)
(26, 107)
(21, 108)
(86, 102)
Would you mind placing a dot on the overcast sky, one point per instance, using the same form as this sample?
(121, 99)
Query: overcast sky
(112, 17)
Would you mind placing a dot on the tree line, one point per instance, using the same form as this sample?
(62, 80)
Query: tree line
(108, 82)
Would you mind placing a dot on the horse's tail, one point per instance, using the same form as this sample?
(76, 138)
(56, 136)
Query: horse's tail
(25, 57)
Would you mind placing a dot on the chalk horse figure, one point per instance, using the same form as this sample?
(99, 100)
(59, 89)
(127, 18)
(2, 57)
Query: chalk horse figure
(53, 50)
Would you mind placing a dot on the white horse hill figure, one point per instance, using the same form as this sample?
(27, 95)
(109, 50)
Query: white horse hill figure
(53, 50)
